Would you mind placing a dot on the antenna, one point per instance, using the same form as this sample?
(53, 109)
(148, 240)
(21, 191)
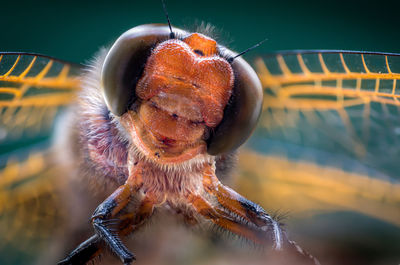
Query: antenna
(230, 60)
(171, 34)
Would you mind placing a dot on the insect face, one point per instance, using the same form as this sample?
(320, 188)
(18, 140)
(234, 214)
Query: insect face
(172, 103)
(179, 104)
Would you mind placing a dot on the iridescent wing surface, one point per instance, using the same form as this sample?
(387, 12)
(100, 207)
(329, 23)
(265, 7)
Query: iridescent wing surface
(34, 90)
(328, 143)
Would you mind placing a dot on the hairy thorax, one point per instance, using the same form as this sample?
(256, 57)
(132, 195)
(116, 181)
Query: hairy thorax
(98, 147)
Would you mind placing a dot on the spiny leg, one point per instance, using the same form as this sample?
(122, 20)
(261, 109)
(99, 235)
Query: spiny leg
(233, 212)
(108, 215)
(104, 218)
(85, 252)
(127, 223)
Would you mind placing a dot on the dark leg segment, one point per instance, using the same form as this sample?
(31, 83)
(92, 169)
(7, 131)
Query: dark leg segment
(109, 223)
(84, 252)
(235, 213)
(104, 217)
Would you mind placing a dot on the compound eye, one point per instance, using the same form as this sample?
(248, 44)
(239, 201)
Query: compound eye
(124, 64)
(242, 112)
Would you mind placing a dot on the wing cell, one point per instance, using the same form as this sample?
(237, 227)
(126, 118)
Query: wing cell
(33, 89)
(340, 102)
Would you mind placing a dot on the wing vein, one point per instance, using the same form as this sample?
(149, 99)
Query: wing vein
(303, 66)
(364, 64)
(11, 69)
(283, 65)
(323, 65)
(45, 70)
(25, 72)
(344, 63)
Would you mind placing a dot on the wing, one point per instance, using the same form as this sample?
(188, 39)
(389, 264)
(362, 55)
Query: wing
(337, 109)
(345, 103)
(327, 145)
(34, 89)
(30, 212)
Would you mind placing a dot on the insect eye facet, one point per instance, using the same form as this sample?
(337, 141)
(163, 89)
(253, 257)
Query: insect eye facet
(242, 112)
(124, 64)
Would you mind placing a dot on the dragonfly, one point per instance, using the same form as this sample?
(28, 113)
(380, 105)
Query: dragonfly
(325, 142)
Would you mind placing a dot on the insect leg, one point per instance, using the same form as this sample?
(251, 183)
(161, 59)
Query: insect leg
(110, 222)
(105, 216)
(229, 210)
(127, 223)
(83, 253)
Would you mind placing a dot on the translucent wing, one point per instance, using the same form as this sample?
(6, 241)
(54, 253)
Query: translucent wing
(337, 102)
(333, 108)
(30, 212)
(328, 143)
(34, 89)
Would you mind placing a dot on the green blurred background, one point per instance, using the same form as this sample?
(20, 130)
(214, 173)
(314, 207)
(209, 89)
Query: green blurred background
(74, 30)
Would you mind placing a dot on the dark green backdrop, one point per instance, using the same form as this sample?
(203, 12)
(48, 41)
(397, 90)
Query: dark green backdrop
(74, 30)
